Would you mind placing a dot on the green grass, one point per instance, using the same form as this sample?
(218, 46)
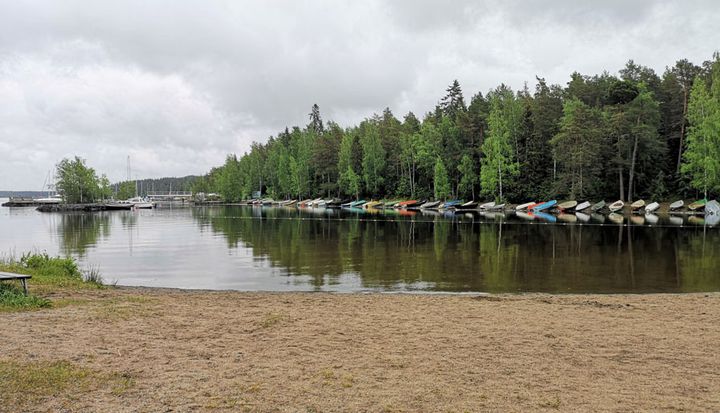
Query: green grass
(29, 383)
(13, 298)
(49, 274)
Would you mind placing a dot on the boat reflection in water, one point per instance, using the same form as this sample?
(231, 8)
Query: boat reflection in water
(492, 252)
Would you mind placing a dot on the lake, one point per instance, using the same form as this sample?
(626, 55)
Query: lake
(288, 249)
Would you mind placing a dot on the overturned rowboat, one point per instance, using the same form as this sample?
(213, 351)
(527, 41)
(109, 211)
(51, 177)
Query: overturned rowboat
(698, 205)
(637, 205)
(525, 206)
(582, 206)
(598, 206)
(676, 205)
(651, 207)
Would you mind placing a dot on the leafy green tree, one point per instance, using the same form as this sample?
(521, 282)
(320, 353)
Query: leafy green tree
(125, 190)
(468, 176)
(76, 182)
(702, 156)
(373, 161)
(440, 180)
(499, 158)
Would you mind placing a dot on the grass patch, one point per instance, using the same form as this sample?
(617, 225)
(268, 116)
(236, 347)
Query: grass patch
(27, 384)
(52, 273)
(271, 319)
(126, 308)
(12, 298)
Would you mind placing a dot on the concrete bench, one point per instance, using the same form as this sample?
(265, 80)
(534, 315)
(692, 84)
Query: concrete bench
(6, 276)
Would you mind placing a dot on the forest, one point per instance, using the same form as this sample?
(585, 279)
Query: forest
(627, 136)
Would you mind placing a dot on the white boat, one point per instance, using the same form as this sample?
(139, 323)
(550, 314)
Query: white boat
(523, 207)
(487, 205)
(677, 205)
(651, 207)
(140, 203)
(497, 207)
(582, 206)
(52, 199)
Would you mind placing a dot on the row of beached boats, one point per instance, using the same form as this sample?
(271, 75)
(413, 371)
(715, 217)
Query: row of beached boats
(637, 207)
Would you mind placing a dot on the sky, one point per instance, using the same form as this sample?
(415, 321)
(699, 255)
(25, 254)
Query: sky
(177, 85)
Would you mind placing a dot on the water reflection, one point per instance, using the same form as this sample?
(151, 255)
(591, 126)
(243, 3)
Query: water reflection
(78, 232)
(490, 252)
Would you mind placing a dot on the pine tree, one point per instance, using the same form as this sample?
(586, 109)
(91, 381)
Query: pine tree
(316, 123)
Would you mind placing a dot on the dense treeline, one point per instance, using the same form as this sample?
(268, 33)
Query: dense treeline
(142, 187)
(628, 136)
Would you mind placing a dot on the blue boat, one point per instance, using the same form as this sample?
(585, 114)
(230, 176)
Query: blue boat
(545, 217)
(453, 203)
(544, 206)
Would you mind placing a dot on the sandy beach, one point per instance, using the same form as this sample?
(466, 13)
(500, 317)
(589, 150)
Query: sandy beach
(132, 349)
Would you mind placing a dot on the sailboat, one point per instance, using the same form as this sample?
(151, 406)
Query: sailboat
(52, 197)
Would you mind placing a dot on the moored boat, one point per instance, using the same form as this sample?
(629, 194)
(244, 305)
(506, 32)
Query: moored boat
(451, 204)
(487, 205)
(544, 205)
(582, 206)
(496, 207)
(525, 206)
(638, 205)
(358, 204)
(430, 205)
(676, 205)
(651, 207)
(616, 206)
(598, 206)
(372, 204)
(469, 205)
(567, 205)
(698, 205)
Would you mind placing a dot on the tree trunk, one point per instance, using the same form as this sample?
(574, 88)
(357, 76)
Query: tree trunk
(682, 129)
(631, 176)
(500, 181)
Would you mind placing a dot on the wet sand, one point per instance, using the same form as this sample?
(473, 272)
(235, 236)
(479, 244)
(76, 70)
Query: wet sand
(299, 352)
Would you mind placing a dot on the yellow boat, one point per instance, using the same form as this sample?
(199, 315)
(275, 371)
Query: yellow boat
(372, 204)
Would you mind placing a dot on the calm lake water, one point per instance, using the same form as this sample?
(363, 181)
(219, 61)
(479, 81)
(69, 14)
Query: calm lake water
(281, 249)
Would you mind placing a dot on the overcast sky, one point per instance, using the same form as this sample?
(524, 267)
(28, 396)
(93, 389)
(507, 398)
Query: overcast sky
(177, 85)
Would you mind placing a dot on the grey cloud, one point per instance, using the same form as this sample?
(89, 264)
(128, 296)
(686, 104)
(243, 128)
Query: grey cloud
(178, 84)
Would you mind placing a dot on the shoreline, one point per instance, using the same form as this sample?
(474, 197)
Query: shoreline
(155, 348)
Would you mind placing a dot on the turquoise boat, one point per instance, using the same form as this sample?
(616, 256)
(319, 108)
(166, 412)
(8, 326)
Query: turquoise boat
(543, 206)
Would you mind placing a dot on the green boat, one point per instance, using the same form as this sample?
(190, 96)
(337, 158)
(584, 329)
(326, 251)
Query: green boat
(698, 205)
